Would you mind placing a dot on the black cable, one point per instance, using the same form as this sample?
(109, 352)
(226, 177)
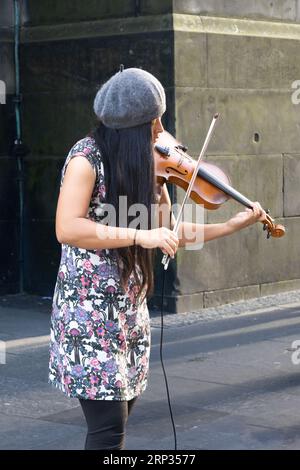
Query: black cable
(161, 357)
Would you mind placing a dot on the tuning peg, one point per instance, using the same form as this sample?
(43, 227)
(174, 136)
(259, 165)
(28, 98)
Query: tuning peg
(268, 234)
(265, 227)
(165, 151)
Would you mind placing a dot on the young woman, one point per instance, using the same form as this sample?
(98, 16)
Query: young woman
(100, 330)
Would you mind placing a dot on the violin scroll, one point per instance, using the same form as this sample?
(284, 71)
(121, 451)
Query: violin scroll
(273, 230)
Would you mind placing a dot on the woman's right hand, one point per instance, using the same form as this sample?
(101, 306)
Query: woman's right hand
(162, 238)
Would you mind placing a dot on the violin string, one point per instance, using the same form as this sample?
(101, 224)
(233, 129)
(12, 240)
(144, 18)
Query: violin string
(161, 357)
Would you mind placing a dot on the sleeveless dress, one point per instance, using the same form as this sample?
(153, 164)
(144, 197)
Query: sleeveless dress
(100, 333)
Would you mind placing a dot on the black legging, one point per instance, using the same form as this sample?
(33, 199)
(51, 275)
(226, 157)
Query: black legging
(106, 422)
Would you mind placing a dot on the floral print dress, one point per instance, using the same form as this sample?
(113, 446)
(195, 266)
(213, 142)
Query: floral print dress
(100, 334)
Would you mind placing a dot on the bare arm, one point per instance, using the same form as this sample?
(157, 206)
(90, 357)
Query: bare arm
(74, 228)
(205, 232)
(72, 225)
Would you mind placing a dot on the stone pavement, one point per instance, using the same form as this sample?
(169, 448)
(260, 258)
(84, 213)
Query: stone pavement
(232, 381)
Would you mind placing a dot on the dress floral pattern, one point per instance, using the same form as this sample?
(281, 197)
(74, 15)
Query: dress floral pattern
(100, 334)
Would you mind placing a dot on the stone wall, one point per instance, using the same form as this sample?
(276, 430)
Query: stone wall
(62, 68)
(235, 57)
(9, 255)
(245, 71)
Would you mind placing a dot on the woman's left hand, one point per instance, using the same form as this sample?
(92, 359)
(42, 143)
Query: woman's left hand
(246, 218)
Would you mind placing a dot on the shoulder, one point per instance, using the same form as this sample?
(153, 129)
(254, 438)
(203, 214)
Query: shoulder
(87, 146)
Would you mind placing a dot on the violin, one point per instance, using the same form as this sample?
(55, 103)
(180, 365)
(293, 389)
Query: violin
(212, 186)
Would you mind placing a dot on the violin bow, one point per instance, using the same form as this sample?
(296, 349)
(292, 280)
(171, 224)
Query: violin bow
(166, 258)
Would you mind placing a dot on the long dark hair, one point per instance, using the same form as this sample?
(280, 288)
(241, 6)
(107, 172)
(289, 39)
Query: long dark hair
(129, 171)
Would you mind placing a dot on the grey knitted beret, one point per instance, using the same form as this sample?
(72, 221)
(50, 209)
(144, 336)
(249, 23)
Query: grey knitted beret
(129, 98)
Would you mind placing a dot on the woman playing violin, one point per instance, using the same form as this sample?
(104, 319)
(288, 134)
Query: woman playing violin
(100, 330)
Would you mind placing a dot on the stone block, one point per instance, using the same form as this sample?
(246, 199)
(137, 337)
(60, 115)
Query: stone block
(291, 185)
(190, 59)
(68, 11)
(9, 264)
(156, 7)
(55, 11)
(251, 62)
(58, 120)
(7, 73)
(81, 66)
(221, 297)
(7, 12)
(7, 126)
(256, 9)
(9, 201)
(251, 121)
(281, 286)
(42, 257)
(42, 181)
(176, 303)
(257, 177)
(243, 259)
